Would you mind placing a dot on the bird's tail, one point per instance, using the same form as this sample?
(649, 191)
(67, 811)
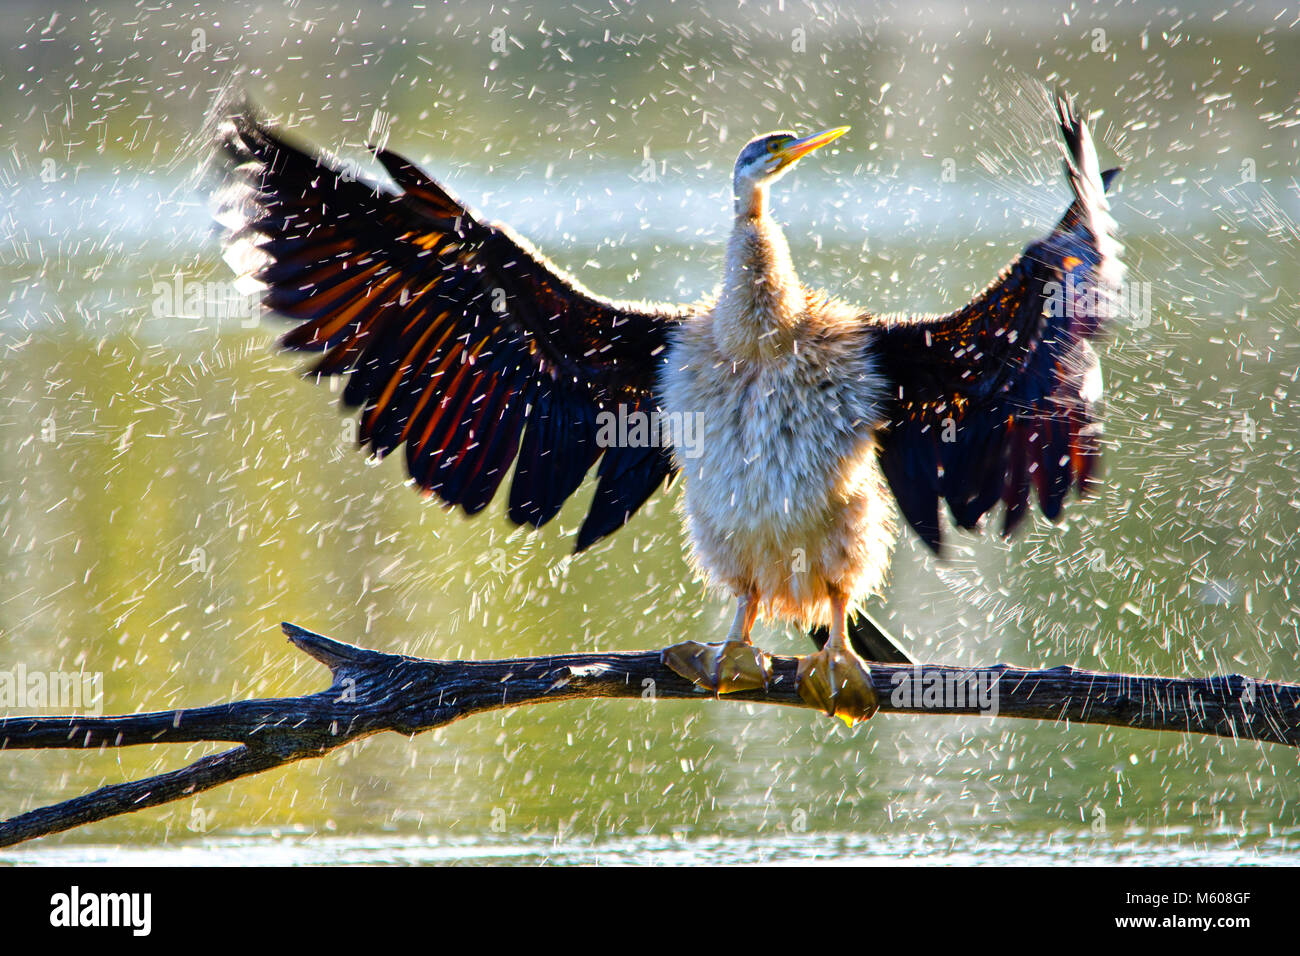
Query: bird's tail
(868, 639)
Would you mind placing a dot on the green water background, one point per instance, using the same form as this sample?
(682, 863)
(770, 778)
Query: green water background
(170, 489)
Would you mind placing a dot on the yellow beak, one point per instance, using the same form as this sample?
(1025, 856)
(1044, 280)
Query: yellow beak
(802, 147)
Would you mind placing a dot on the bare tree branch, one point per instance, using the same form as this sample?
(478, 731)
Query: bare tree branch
(374, 692)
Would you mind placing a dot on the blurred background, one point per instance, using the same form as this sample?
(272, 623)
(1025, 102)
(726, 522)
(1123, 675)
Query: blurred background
(171, 489)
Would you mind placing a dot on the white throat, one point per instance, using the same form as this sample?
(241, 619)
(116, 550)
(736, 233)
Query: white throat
(762, 302)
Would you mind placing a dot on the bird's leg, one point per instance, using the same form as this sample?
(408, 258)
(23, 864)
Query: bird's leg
(735, 664)
(835, 679)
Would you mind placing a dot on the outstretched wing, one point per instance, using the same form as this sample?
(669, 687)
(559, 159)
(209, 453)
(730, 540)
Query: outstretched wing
(459, 340)
(1000, 396)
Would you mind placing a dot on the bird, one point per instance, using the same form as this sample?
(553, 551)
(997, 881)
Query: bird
(799, 423)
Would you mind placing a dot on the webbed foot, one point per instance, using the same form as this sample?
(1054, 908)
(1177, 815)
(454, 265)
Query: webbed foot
(722, 668)
(838, 682)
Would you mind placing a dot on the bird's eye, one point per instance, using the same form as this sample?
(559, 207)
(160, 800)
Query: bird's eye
(773, 145)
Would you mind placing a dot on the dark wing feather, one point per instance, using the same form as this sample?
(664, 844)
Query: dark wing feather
(999, 398)
(459, 341)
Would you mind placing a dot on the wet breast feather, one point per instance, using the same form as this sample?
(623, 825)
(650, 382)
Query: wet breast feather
(783, 493)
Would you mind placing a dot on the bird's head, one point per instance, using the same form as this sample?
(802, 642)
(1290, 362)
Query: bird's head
(767, 157)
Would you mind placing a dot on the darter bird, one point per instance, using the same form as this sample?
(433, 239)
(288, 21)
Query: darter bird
(465, 346)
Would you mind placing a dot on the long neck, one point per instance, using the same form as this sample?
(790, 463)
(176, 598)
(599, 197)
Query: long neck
(762, 302)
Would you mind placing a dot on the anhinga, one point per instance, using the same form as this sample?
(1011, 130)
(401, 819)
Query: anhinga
(465, 345)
